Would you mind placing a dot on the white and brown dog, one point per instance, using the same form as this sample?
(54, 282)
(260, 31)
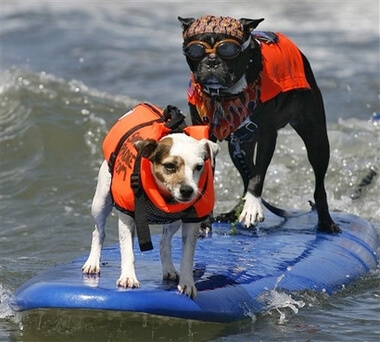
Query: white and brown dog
(176, 176)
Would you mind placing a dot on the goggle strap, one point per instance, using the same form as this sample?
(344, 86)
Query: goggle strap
(246, 44)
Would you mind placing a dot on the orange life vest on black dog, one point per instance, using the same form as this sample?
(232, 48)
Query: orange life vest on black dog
(142, 122)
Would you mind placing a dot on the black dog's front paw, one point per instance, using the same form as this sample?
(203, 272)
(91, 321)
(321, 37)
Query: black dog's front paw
(206, 226)
(229, 217)
(329, 227)
(232, 216)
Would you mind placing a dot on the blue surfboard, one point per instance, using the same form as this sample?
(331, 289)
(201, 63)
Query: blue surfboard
(232, 271)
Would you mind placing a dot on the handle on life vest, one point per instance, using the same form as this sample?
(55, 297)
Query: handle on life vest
(175, 120)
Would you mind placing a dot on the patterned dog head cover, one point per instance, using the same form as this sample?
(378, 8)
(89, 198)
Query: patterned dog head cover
(211, 24)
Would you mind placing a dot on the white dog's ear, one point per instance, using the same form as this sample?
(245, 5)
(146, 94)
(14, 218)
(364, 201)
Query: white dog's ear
(145, 147)
(212, 150)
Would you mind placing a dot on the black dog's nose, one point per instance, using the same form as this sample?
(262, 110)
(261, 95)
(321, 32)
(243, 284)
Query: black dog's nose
(212, 61)
(186, 191)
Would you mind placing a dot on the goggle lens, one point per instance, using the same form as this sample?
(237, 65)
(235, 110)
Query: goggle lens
(228, 50)
(195, 51)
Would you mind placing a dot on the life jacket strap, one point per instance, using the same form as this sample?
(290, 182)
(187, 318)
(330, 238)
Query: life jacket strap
(141, 214)
(238, 156)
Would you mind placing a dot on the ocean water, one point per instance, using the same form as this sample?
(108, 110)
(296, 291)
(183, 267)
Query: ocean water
(70, 69)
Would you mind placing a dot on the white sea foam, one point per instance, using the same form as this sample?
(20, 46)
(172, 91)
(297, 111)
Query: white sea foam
(275, 300)
(5, 296)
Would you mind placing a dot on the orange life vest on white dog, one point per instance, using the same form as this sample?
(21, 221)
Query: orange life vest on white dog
(142, 122)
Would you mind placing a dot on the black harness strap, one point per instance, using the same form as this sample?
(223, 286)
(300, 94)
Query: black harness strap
(247, 132)
(141, 214)
(243, 134)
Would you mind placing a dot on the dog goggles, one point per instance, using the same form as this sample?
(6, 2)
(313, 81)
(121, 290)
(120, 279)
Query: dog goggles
(226, 48)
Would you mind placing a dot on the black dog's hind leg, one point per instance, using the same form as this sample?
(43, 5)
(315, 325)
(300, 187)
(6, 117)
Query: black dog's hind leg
(318, 154)
(311, 126)
(317, 147)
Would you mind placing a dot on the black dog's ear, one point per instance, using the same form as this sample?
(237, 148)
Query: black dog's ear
(186, 22)
(250, 24)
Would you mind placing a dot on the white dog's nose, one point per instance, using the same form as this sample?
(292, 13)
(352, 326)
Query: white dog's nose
(186, 192)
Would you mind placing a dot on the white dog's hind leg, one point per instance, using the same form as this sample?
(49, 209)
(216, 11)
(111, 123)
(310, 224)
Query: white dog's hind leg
(252, 211)
(189, 239)
(127, 228)
(101, 208)
(168, 269)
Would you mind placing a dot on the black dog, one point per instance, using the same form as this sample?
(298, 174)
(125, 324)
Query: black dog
(246, 85)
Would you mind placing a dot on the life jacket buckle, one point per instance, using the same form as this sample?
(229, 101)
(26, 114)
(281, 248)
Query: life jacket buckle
(245, 132)
(135, 181)
(251, 126)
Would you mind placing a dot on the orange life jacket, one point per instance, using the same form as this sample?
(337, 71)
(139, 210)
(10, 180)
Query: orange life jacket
(142, 122)
(283, 70)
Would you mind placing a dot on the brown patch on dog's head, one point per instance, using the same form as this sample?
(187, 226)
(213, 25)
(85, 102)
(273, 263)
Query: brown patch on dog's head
(162, 150)
(145, 147)
(168, 169)
(158, 153)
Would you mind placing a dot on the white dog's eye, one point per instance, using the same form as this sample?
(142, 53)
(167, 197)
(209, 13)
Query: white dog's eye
(199, 167)
(169, 167)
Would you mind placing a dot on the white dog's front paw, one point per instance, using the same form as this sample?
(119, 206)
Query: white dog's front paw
(91, 268)
(127, 281)
(188, 288)
(252, 211)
